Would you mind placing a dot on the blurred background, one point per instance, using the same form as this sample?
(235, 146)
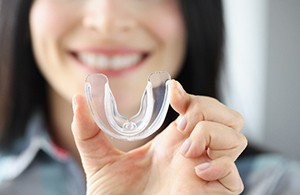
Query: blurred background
(262, 77)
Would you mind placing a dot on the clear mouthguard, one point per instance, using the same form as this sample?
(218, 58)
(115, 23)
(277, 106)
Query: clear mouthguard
(152, 112)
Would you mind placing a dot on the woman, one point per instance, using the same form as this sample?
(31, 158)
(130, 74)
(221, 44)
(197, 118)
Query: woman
(48, 47)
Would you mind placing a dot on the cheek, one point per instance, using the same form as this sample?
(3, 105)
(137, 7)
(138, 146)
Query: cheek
(170, 31)
(167, 24)
(48, 19)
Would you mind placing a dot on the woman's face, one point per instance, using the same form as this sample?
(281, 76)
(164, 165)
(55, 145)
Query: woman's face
(124, 39)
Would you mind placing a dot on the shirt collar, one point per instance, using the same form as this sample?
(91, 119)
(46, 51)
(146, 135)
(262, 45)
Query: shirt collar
(25, 149)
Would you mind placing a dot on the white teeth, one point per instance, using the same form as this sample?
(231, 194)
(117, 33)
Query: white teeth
(110, 62)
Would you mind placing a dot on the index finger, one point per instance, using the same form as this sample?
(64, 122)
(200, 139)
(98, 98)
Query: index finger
(193, 109)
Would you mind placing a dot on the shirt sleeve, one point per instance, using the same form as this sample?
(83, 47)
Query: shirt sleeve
(269, 174)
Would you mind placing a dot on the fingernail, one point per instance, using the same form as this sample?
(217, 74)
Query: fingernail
(185, 146)
(202, 167)
(182, 122)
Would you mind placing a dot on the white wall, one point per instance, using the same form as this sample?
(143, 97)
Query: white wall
(246, 61)
(282, 100)
(263, 70)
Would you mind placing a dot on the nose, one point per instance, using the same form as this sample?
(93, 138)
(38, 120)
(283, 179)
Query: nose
(109, 16)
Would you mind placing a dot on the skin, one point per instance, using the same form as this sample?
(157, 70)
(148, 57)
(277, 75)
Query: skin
(207, 133)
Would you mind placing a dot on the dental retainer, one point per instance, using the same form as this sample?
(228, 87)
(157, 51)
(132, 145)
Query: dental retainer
(151, 114)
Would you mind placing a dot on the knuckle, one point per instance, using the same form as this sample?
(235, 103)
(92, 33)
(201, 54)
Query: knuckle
(241, 143)
(228, 162)
(238, 188)
(203, 127)
(237, 121)
(244, 141)
(211, 100)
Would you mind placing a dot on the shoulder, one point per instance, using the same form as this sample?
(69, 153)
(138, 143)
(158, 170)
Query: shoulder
(268, 173)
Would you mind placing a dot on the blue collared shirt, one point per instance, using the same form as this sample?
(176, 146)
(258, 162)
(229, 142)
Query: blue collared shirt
(37, 166)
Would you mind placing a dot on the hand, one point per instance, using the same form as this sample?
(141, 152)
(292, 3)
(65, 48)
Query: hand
(166, 165)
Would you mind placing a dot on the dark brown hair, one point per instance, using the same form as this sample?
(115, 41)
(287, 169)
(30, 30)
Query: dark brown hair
(21, 85)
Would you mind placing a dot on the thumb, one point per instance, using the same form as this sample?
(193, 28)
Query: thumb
(94, 149)
(179, 100)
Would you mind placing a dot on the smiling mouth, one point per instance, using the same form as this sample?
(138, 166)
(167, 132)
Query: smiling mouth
(111, 62)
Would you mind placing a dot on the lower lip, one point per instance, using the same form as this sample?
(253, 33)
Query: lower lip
(109, 72)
